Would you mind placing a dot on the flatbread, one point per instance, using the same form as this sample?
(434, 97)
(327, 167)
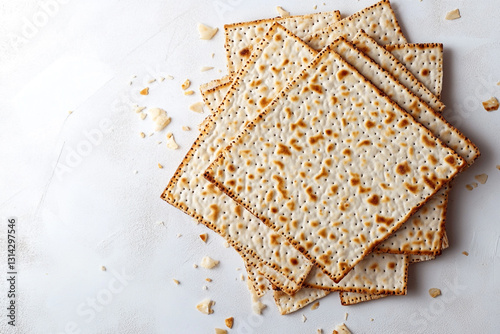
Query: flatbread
(188, 191)
(375, 274)
(424, 61)
(392, 65)
(298, 149)
(378, 20)
(240, 37)
(288, 304)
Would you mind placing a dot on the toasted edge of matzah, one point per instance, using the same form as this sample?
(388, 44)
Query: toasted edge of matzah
(337, 29)
(351, 298)
(390, 63)
(228, 27)
(288, 304)
(210, 172)
(435, 86)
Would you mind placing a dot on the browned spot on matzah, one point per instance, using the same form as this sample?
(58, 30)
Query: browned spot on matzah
(374, 199)
(314, 139)
(428, 142)
(403, 168)
(214, 212)
(383, 220)
(281, 185)
(283, 150)
(342, 74)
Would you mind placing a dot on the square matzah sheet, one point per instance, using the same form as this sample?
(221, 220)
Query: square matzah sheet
(331, 175)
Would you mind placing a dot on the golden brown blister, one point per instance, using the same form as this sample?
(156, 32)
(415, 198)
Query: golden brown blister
(332, 130)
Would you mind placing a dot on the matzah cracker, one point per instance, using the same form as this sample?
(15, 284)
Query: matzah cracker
(191, 193)
(288, 304)
(375, 274)
(425, 61)
(240, 37)
(391, 64)
(333, 128)
(378, 20)
(408, 101)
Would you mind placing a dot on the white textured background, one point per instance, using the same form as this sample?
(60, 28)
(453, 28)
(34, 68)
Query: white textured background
(78, 211)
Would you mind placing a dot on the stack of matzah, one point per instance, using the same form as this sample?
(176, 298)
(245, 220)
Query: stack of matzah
(325, 161)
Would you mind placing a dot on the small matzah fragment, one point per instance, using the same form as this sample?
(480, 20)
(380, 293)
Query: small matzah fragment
(206, 32)
(205, 306)
(229, 322)
(341, 329)
(433, 292)
(453, 15)
(481, 178)
(491, 104)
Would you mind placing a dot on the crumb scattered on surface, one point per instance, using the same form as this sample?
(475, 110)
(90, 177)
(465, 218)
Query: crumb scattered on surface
(208, 279)
(142, 134)
(434, 292)
(189, 92)
(160, 166)
(453, 15)
(481, 178)
(346, 315)
(139, 109)
(220, 331)
(315, 306)
(142, 115)
(205, 306)
(474, 184)
(498, 167)
(185, 85)
(208, 262)
(304, 319)
(204, 237)
(315, 7)
(145, 91)
(159, 117)
(204, 287)
(195, 265)
(342, 329)
(225, 244)
(206, 68)
(229, 322)
(282, 12)
(169, 77)
(171, 144)
(103, 268)
(197, 107)
(242, 277)
(176, 281)
(465, 253)
(162, 79)
(136, 171)
(152, 80)
(491, 104)
(206, 32)
(179, 235)
(213, 54)
(186, 128)
(70, 112)
(469, 187)
(258, 307)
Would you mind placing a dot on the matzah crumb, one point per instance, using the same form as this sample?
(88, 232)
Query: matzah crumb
(208, 262)
(197, 107)
(205, 306)
(304, 319)
(186, 128)
(220, 331)
(242, 277)
(169, 77)
(282, 12)
(195, 265)
(160, 166)
(160, 223)
(179, 235)
(346, 315)
(206, 32)
(206, 68)
(453, 15)
(204, 237)
(371, 319)
(145, 91)
(176, 281)
(139, 109)
(474, 184)
(258, 307)
(142, 115)
(213, 54)
(70, 112)
(498, 167)
(229, 322)
(481, 178)
(204, 287)
(171, 144)
(185, 85)
(238, 268)
(491, 104)
(208, 279)
(315, 306)
(225, 244)
(319, 331)
(315, 7)
(189, 92)
(142, 134)
(162, 79)
(152, 80)
(433, 292)
(159, 117)
(469, 187)
(103, 268)
(136, 172)
(342, 329)
(465, 253)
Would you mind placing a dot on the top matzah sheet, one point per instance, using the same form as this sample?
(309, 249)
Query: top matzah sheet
(240, 37)
(327, 174)
(425, 61)
(378, 20)
(190, 192)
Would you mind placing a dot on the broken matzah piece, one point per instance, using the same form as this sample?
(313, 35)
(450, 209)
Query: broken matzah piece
(425, 61)
(331, 139)
(288, 304)
(378, 20)
(391, 64)
(408, 101)
(375, 274)
(242, 37)
(214, 91)
(194, 195)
